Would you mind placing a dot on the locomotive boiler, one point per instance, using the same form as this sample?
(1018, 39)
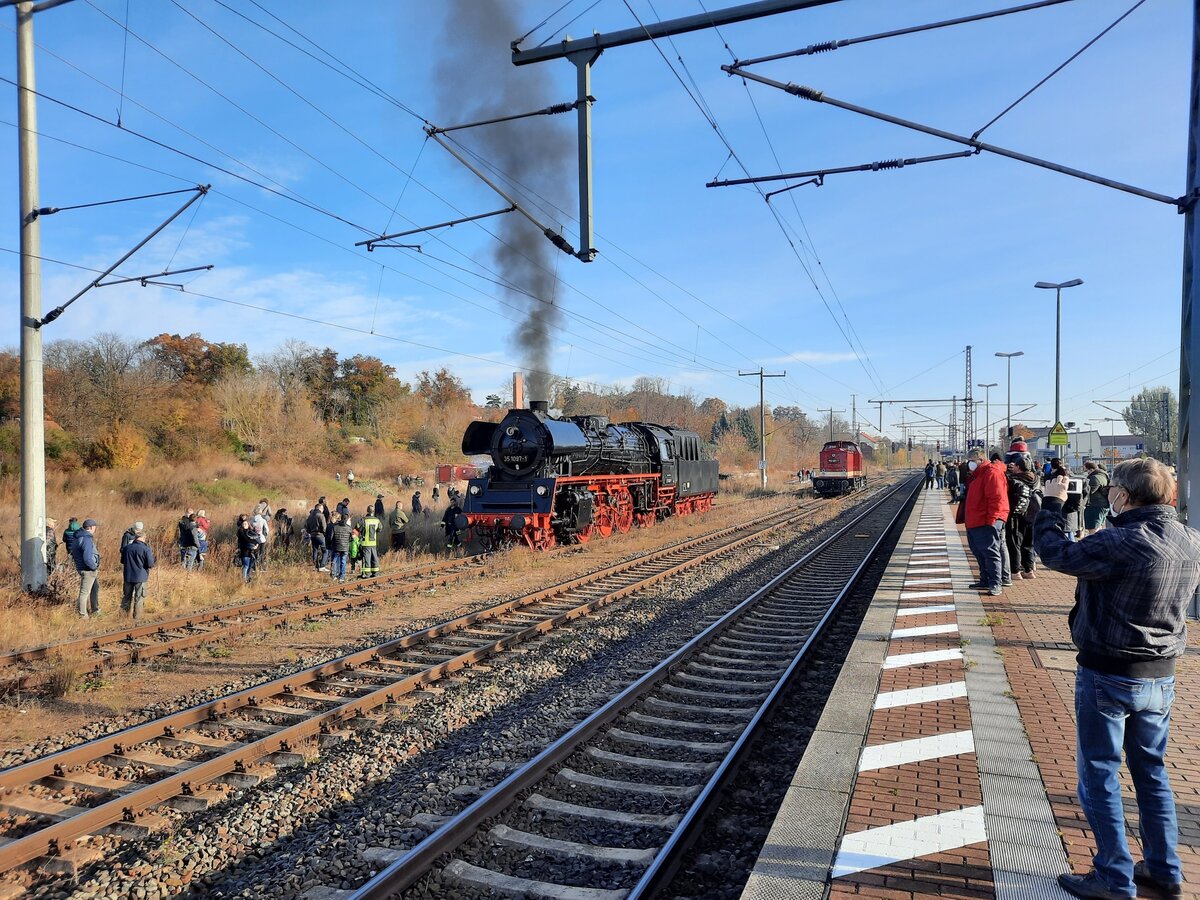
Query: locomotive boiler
(841, 469)
(564, 480)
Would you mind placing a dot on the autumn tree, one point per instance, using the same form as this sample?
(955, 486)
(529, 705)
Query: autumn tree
(194, 360)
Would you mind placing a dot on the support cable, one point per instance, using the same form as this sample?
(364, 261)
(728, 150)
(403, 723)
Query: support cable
(124, 55)
(1062, 66)
(827, 46)
(51, 210)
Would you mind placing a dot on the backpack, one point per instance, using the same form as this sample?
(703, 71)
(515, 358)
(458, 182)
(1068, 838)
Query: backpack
(1102, 490)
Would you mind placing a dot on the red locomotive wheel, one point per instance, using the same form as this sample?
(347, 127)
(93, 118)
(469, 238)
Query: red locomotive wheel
(585, 534)
(624, 511)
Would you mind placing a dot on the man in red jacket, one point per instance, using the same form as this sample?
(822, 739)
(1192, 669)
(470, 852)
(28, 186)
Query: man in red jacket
(985, 515)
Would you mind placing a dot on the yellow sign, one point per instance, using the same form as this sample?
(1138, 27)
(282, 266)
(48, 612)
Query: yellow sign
(1058, 435)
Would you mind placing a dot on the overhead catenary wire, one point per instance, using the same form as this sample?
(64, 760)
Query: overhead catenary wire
(215, 166)
(294, 92)
(774, 213)
(205, 162)
(358, 79)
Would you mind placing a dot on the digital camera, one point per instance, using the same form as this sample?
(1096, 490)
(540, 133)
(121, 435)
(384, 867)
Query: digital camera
(1075, 486)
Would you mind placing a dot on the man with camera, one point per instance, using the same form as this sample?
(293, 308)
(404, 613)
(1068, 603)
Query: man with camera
(1135, 580)
(985, 513)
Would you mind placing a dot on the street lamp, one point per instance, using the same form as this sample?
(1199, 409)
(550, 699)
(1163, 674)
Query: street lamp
(1057, 288)
(1008, 408)
(987, 416)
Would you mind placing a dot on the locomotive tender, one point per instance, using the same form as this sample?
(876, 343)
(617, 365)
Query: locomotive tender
(562, 481)
(841, 470)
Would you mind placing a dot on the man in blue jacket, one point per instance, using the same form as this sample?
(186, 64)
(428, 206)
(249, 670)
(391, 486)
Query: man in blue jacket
(87, 564)
(137, 559)
(1136, 579)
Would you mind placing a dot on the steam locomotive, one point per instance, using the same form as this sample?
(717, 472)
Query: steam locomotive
(564, 480)
(841, 470)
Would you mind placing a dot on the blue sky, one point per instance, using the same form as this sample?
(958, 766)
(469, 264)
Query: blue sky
(923, 261)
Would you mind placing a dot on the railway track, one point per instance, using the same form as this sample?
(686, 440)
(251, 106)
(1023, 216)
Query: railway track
(30, 669)
(607, 810)
(133, 782)
(25, 670)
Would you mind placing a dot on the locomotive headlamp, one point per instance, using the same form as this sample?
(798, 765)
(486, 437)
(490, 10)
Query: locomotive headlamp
(541, 490)
(475, 490)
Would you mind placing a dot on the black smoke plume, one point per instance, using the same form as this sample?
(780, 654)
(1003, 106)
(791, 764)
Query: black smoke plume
(477, 80)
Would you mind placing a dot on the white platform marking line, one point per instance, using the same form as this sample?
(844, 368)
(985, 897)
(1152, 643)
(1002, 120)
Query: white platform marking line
(925, 610)
(914, 582)
(898, 753)
(890, 844)
(902, 660)
(928, 694)
(919, 595)
(924, 631)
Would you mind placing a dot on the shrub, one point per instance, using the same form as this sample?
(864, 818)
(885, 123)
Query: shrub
(120, 446)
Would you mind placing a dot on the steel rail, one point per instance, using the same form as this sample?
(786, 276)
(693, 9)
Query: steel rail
(417, 861)
(128, 806)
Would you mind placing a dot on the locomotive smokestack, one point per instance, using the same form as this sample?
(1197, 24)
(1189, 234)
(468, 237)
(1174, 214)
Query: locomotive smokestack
(476, 80)
(542, 406)
(518, 391)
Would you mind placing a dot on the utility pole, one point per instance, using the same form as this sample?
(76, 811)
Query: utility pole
(762, 420)
(33, 442)
(968, 405)
(854, 417)
(831, 412)
(1189, 351)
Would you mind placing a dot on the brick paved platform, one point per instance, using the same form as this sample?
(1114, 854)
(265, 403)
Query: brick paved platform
(944, 761)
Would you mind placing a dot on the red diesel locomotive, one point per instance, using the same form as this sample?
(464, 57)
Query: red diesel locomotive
(841, 470)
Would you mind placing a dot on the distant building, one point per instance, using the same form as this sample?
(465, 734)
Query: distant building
(1123, 446)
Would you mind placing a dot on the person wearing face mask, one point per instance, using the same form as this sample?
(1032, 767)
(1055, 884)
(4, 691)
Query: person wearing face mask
(1135, 581)
(986, 510)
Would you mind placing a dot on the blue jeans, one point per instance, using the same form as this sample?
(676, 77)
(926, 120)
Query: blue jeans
(318, 551)
(339, 564)
(1113, 712)
(987, 545)
(247, 567)
(187, 556)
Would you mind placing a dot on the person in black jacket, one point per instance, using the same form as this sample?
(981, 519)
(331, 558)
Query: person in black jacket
(452, 522)
(1018, 533)
(247, 546)
(189, 540)
(339, 544)
(137, 559)
(1135, 580)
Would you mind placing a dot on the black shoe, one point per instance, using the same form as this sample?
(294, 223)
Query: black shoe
(1006, 584)
(1089, 887)
(1142, 876)
(977, 586)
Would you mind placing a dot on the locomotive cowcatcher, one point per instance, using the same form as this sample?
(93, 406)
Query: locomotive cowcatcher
(841, 469)
(564, 480)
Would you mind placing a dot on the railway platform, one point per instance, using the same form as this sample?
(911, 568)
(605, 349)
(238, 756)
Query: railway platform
(944, 761)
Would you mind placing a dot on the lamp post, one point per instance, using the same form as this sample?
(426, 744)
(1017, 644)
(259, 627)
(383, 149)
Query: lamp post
(1008, 405)
(1058, 288)
(1076, 427)
(987, 415)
